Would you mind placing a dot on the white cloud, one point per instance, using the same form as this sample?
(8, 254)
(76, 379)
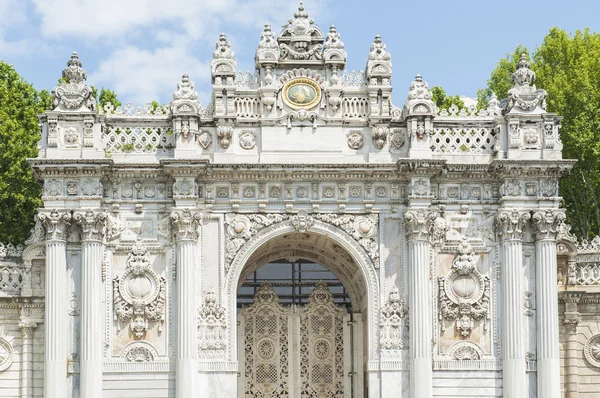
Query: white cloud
(141, 76)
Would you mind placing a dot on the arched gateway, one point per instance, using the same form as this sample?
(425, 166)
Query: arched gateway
(179, 250)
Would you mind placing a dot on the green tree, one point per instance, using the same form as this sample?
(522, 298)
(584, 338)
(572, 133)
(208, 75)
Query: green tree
(444, 101)
(19, 134)
(568, 68)
(104, 97)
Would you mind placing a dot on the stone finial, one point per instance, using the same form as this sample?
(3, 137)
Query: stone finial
(419, 100)
(524, 95)
(333, 39)
(74, 73)
(185, 89)
(185, 98)
(379, 63)
(223, 65)
(72, 93)
(378, 50)
(223, 48)
(268, 49)
(333, 48)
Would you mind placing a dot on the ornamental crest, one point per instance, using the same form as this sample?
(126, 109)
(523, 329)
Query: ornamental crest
(464, 293)
(139, 294)
(301, 93)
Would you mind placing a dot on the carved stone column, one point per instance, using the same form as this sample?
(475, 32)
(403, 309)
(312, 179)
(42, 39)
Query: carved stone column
(27, 358)
(92, 314)
(185, 227)
(572, 350)
(510, 230)
(548, 361)
(418, 223)
(55, 319)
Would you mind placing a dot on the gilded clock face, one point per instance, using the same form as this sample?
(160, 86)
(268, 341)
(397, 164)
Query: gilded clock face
(301, 93)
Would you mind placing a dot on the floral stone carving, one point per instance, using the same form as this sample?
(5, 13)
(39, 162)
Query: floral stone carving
(393, 320)
(212, 328)
(464, 293)
(72, 93)
(139, 294)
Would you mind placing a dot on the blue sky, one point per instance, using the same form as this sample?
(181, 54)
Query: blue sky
(140, 48)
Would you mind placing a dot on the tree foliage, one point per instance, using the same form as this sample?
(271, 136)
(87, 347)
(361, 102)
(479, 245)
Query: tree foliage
(568, 68)
(19, 134)
(444, 101)
(104, 97)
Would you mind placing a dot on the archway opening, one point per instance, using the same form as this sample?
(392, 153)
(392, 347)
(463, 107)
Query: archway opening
(302, 316)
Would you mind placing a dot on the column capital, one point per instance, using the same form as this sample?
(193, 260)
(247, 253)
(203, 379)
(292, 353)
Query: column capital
(27, 328)
(510, 224)
(546, 223)
(418, 223)
(185, 224)
(55, 223)
(92, 224)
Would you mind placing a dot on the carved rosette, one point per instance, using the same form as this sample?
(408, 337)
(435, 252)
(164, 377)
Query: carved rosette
(55, 224)
(510, 224)
(139, 294)
(212, 328)
(393, 320)
(419, 223)
(464, 294)
(185, 224)
(591, 350)
(302, 221)
(547, 223)
(7, 354)
(93, 224)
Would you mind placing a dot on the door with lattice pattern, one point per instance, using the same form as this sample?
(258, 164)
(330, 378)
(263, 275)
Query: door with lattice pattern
(297, 351)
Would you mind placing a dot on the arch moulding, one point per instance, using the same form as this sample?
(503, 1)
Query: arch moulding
(340, 237)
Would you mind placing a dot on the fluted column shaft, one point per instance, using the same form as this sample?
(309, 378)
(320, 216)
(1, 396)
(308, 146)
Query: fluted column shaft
(27, 329)
(91, 340)
(419, 304)
(55, 356)
(510, 229)
(548, 360)
(185, 225)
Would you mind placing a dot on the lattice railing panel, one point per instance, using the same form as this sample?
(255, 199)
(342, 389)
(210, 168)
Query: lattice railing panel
(588, 274)
(447, 140)
(247, 107)
(11, 279)
(355, 107)
(126, 139)
(353, 78)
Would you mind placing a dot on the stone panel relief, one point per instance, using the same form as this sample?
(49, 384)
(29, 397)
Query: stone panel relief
(394, 324)
(212, 328)
(139, 294)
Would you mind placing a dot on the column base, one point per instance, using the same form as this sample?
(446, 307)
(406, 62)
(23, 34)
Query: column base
(187, 374)
(548, 377)
(55, 379)
(91, 378)
(421, 378)
(514, 382)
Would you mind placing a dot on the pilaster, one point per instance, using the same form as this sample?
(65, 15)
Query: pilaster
(27, 329)
(185, 227)
(418, 224)
(91, 339)
(55, 224)
(571, 321)
(510, 224)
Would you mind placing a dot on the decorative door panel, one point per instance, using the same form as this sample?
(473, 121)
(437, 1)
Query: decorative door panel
(294, 352)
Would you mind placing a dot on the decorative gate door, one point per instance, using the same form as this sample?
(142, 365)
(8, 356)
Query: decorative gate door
(294, 352)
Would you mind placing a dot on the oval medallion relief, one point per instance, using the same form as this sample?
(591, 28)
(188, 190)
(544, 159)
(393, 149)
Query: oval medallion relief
(301, 93)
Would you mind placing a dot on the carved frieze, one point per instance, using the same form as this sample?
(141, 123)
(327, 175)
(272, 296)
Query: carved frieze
(139, 294)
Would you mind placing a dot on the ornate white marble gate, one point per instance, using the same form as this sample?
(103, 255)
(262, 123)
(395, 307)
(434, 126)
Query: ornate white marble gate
(294, 351)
